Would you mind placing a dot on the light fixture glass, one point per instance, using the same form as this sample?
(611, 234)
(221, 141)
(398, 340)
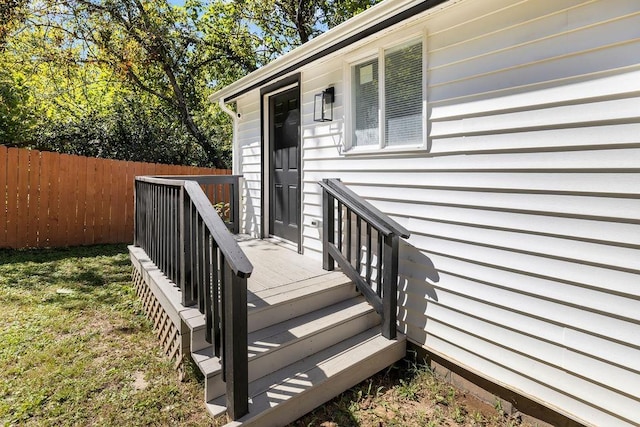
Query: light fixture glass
(323, 105)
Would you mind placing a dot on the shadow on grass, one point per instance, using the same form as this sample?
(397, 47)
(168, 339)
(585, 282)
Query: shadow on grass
(345, 410)
(73, 278)
(13, 256)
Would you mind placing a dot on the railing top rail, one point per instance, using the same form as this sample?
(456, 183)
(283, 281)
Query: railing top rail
(204, 179)
(200, 179)
(175, 182)
(366, 210)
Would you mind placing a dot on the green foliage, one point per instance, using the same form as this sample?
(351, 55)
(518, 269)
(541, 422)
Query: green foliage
(16, 115)
(11, 13)
(129, 79)
(408, 390)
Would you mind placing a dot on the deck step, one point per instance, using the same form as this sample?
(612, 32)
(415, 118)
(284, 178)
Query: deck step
(300, 387)
(275, 305)
(271, 306)
(196, 323)
(277, 346)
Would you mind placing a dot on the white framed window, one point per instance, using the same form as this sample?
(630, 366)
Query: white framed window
(387, 99)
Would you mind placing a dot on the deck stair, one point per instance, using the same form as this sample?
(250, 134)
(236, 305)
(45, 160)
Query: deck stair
(293, 330)
(308, 342)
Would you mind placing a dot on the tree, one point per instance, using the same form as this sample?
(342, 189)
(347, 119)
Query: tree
(11, 13)
(285, 24)
(16, 116)
(130, 78)
(154, 48)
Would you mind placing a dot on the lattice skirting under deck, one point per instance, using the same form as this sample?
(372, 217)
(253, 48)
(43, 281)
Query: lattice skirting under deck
(167, 332)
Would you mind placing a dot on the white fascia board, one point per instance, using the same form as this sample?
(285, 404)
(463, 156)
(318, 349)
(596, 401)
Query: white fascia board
(376, 14)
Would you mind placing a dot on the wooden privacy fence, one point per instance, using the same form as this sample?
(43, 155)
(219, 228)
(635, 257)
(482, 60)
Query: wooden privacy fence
(52, 200)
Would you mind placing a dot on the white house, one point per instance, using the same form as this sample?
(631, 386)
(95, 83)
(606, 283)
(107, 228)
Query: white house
(505, 136)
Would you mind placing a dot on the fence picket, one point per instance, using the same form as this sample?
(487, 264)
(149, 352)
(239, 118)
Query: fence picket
(34, 199)
(129, 202)
(3, 196)
(116, 208)
(23, 195)
(109, 196)
(81, 191)
(44, 238)
(66, 199)
(12, 198)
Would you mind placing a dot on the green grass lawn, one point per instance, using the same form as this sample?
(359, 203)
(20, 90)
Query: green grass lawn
(76, 348)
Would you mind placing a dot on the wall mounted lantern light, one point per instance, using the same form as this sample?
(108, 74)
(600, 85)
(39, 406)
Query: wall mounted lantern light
(323, 105)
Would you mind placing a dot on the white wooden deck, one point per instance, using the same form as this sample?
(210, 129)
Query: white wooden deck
(311, 335)
(278, 268)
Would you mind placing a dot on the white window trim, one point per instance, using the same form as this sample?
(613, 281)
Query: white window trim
(381, 147)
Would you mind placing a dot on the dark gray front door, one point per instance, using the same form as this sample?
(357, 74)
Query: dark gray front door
(284, 133)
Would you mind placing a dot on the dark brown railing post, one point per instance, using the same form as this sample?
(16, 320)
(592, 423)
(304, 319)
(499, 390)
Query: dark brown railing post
(328, 229)
(234, 205)
(137, 208)
(390, 286)
(236, 351)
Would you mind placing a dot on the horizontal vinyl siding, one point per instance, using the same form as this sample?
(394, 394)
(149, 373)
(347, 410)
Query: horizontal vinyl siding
(524, 263)
(249, 143)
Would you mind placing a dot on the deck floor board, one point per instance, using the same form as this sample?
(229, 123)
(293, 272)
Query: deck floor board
(276, 265)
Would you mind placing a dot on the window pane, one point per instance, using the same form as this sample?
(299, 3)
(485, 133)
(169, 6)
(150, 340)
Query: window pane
(365, 109)
(403, 95)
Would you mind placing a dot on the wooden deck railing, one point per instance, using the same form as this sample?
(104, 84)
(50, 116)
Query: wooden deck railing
(342, 239)
(182, 232)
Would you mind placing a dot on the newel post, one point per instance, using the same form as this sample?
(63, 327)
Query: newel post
(136, 209)
(234, 205)
(328, 228)
(236, 359)
(390, 286)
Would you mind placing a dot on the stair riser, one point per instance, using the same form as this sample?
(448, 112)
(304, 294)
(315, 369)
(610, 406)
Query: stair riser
(274, 360)
(276, 313)
(198, 339)
(293, 408)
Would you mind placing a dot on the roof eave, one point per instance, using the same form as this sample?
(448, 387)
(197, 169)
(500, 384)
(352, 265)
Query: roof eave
(325, 44)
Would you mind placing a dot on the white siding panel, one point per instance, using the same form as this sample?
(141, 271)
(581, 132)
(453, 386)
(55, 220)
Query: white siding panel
(537, 26)
(248, 135)
(607, 85)
(545, 246)
(601, 371)
(529, 75)
(603, 349)
(545, 352)
(574, 272)
(625, 332)
(543, 225)
(570, 115)
(549, 182)
(546, 384)
(505, 281)
(503, 162)
(414, 311)
(616, 211)
(524, 260)
(462, 25)
(550, 139)
(560, 44)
